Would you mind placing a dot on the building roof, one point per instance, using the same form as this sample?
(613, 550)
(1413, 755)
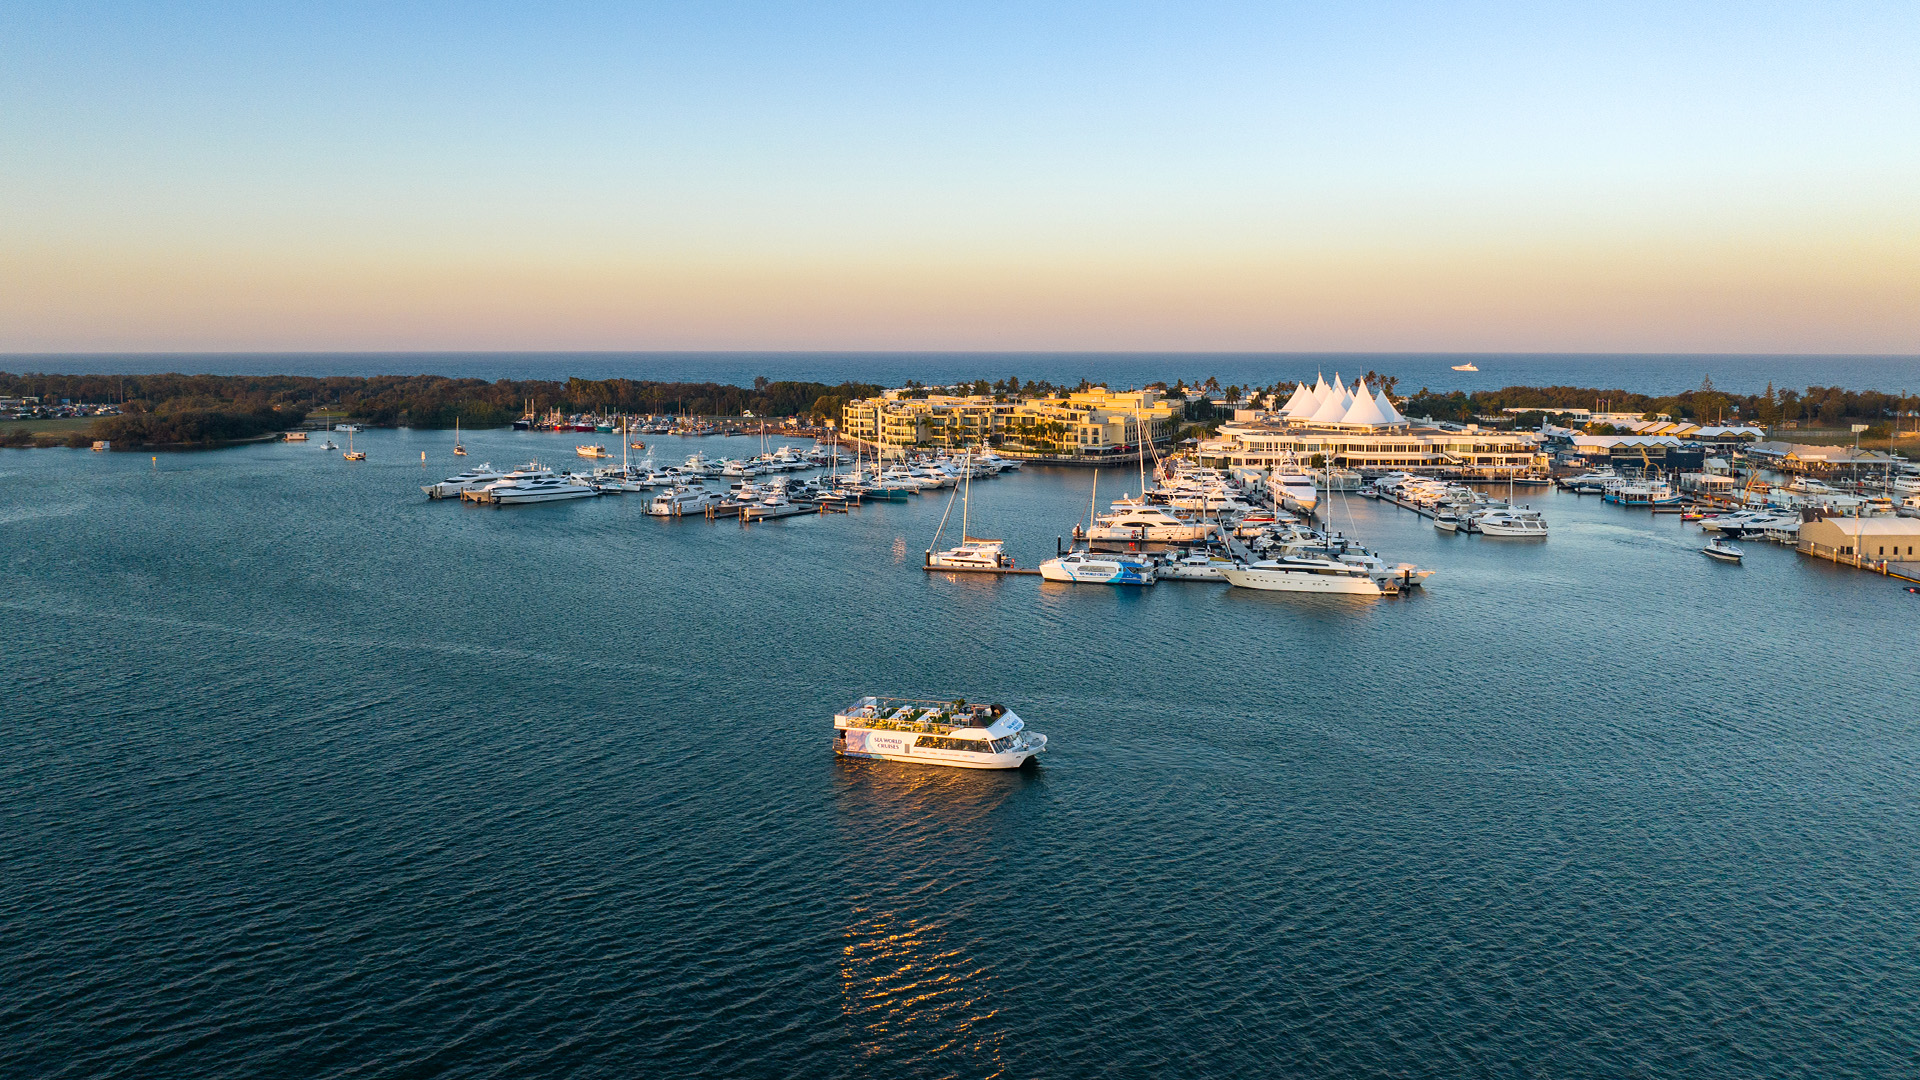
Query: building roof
(1610, 441)
(1335, 405)
(1832, 455)
(1364, 410)
(1874, 526)
(1302, 404)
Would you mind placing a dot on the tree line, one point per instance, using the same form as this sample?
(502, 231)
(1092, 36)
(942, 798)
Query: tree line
(208, 409)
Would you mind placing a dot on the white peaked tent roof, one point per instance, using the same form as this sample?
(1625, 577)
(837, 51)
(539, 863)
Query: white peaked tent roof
(1302, 403)
(1393, 414)
(1335, 407)
(1364, 410)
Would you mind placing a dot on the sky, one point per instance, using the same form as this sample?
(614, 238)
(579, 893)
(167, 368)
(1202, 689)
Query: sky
(1715, 177)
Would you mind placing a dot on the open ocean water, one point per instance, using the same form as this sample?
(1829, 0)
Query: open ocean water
(305, 775)
(1636, 372)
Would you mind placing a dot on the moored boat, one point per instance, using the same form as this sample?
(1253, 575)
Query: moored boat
(954, 734)
(1086, 568)
(1304, 573)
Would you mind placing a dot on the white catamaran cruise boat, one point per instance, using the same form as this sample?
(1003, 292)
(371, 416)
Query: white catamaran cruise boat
(950, 733)
(1085, 568)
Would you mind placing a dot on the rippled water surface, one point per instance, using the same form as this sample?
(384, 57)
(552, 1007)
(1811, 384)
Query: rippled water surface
(304, 774)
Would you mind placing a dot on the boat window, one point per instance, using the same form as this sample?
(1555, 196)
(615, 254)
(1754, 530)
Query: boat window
(941, 742)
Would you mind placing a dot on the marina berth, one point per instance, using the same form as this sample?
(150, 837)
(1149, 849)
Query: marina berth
(954, 734)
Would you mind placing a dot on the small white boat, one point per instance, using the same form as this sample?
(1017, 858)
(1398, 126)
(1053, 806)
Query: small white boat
(1447, 522)
(954, 734)
(458, 449)
(592, 450)
(1087, 568)
(1468, 366)
(1723, 551)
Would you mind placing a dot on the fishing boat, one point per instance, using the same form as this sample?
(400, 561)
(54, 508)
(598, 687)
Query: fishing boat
(954, 733)
(1723, 551)
(1304, 573)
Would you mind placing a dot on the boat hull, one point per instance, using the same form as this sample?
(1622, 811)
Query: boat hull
(511, 499)
(1301, 581)
(898, 746)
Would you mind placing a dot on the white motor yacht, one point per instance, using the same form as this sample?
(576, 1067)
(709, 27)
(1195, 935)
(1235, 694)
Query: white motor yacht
(472, 480)
(682, 501)
(1520, 523)
(954, 733)
(1149, 523)
(1293, 488)
(1195, 567)
(1085, 568)
(536, 484)
(1304, 573)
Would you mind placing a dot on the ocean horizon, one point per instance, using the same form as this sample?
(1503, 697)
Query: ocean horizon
(1646, 373)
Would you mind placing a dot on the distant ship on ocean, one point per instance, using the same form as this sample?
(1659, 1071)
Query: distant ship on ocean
(1468, 366)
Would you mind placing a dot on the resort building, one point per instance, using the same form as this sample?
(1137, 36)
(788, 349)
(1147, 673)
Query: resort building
(1094, 422)
(1352, 428)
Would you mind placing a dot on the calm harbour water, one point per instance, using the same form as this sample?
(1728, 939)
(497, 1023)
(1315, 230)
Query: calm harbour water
(307, 775)
(1642, 373)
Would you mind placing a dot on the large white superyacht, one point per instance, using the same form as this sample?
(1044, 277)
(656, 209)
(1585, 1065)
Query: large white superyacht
(536, 483)
(951, 733)
(472, 480)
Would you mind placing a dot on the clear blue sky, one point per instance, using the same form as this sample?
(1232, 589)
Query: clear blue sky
(1537, 176)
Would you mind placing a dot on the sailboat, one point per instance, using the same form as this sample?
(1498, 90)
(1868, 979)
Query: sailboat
(352, 454)
(974, 553)
(458, 450)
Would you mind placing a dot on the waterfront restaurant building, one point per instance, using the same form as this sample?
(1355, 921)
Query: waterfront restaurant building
(1352, 428)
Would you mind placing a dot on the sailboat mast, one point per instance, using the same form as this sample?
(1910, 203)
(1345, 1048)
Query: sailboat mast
(966, 492)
